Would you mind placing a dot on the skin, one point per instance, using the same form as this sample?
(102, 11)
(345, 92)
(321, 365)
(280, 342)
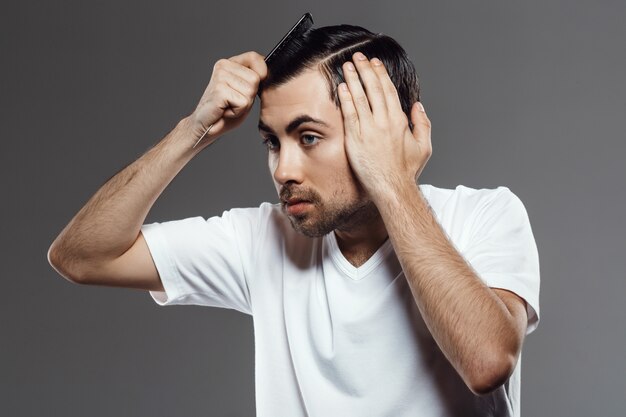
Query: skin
(361, 177)
(310, 162)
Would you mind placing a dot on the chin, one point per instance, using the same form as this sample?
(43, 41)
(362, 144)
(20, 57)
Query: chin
(304, 225)
(323, 220)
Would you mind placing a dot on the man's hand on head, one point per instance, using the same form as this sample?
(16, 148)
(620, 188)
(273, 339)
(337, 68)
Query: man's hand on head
(229, 95)
(382, 150)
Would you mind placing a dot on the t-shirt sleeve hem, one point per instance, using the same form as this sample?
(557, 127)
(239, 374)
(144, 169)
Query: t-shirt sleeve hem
(168, 273)
(532, 302)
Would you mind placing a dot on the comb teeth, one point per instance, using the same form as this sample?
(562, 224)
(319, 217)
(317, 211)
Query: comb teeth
(305, 23)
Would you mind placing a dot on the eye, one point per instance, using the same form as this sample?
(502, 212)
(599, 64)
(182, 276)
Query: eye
(271, 143)
(310, 140)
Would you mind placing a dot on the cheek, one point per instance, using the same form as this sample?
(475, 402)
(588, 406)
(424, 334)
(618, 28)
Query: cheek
(333, 155)
(273, 160)
(338, 163)
(332, 164)
(272, 164)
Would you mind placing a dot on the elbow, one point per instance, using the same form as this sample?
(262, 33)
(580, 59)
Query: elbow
(61, 264)
(492, 373)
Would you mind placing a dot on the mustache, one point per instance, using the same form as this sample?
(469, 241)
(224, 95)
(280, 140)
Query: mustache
(288, 192)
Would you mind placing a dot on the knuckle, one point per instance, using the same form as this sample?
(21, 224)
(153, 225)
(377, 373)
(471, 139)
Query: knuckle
(343, 95)
(237, 99)
(249, 84)
(257, 64)
(261, 66)
(392, 94)
(264, 69)
(256, 78)
(252, 76)
(219, 64)
(377, 89)
(254, 55)
(362, 100)
(251, 91)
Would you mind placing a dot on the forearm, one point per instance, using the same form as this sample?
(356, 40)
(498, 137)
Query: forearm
(469, 322)
(110, 221)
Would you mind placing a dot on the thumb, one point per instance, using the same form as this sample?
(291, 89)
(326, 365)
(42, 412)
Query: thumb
(421, 123)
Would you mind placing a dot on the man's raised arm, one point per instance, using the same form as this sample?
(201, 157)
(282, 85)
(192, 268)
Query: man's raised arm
(102, 244)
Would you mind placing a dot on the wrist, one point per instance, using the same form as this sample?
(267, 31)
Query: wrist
(181, 139)
(391, 184)
(188, 127)
(394, 194)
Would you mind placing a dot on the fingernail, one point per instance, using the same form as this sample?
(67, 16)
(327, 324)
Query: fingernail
(376, 61)
(350, 66)
(343, 87)
(421, 106)
(360, 56)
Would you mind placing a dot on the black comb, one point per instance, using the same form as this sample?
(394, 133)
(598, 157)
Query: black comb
(305, 23)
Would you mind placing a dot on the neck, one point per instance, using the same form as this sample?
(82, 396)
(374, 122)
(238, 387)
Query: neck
(360, 242)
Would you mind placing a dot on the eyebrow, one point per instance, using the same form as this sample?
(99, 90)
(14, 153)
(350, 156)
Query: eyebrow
(293, 125)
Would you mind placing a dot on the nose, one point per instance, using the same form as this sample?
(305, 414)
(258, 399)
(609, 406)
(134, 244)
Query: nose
(289, 166)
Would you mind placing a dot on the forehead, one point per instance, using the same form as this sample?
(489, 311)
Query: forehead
(305, 94)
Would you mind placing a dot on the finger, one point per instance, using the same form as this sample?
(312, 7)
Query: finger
(421, 124)
(235, 80)
(241, 71)
(389, 89)
(373, 87)
(348, 110)
(252, 60)
(357, 95)
(237, 103)
(247, 74)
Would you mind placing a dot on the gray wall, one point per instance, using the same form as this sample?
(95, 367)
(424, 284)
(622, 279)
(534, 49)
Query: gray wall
(530, 95)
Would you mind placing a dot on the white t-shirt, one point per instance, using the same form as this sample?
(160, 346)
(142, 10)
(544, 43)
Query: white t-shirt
(335, 340)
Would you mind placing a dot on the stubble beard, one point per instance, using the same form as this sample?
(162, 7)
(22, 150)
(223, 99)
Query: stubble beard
(324, 218)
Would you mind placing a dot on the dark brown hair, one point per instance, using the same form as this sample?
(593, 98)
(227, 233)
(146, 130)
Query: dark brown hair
(328, 47)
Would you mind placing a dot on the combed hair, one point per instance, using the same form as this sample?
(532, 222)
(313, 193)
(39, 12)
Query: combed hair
(328, 48)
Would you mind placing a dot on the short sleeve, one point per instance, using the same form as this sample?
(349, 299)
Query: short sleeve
(203, 262)
(502, 249)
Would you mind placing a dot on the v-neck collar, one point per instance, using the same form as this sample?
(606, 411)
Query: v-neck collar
(358, 273)
(351, 271)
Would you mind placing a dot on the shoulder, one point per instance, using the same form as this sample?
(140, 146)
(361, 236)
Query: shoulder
(468, 200)
(465, 194)
(250, 215)
(462, 211)
(262, 222)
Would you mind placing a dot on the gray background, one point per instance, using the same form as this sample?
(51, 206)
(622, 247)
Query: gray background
(530, 95)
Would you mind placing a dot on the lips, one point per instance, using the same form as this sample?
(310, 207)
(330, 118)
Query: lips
(296, 207)
(293, 201)
(297, 198)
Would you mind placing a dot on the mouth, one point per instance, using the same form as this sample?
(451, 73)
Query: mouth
(296, 206)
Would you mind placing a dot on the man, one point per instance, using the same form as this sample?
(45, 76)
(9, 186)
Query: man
(371, 294)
